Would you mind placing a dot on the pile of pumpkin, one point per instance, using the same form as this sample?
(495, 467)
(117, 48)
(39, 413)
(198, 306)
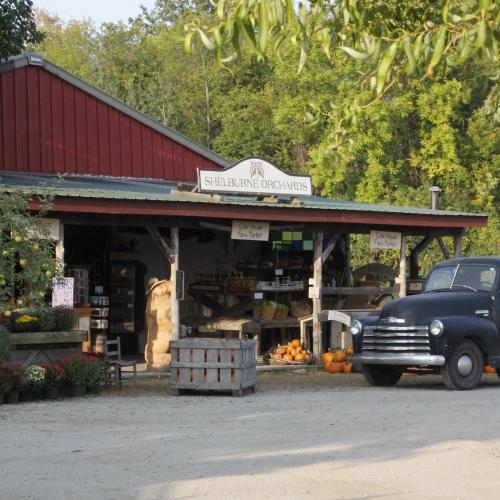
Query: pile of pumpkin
(293, 352)
(490, 369)
(337, 361)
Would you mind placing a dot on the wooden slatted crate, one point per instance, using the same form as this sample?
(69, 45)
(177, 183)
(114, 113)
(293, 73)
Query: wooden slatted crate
(204, 364)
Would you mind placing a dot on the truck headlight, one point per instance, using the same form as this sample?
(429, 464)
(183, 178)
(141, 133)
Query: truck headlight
(356, 327)
(436, 328)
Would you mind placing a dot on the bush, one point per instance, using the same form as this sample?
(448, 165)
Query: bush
(66, 318)
(13, 375)
(35, 377)
(55, 374)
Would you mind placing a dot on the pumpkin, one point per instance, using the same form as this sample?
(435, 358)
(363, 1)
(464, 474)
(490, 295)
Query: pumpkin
(327, 357)
(279, 356)
(347, 367)
(350, 351)
(281, 350)
(489, 369)
(333, 367)
(299, 357)
(299, 348)
(296, 343)
(339, 356)
(293, 352)
(287, 357)
(307, 356)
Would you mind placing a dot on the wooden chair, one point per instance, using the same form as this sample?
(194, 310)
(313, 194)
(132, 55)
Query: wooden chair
(115, 363)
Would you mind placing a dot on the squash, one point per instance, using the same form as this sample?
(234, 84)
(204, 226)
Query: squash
(292, 352)
(339, 356)
(287, 357)
(347, 367)
(350, 351)
(296, 343)
(334, 367)
(281, 350)
(327, 357)
(299, 357)
(278, 355)
(489, 369)
(299, 348)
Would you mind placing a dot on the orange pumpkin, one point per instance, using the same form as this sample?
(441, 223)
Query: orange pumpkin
(296, 342)
(299, 357)
(333, 367)
(350, 351)
(347, 367)
(489, 369)
(299, 348)
(339, 356)
(293, 352)
(277, 355)
(327, 357)
(281, 350)
(287, 357)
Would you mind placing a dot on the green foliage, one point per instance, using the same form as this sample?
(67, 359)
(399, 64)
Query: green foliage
(17, 27)
(27, 263)
(4, 344)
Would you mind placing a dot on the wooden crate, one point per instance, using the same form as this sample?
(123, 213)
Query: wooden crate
(205, 364)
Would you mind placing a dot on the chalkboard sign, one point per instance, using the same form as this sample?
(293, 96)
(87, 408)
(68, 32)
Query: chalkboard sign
(179, 285)
(62, 292)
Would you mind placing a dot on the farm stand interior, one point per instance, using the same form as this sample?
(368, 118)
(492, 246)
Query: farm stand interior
(138, 200)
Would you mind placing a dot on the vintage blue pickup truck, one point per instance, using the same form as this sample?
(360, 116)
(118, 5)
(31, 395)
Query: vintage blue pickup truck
(452, 328)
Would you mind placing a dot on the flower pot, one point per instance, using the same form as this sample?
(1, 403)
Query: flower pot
(26, 396)
(12, 397)
(94, 389)
(52, 392)
(78, 390)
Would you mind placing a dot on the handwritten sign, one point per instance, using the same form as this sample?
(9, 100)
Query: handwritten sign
(62, 292)
(385, 239)
(249, 230)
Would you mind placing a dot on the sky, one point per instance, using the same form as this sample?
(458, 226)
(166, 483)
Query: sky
(100, 11)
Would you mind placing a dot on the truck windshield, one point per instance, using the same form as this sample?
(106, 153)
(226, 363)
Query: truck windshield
(462, 277)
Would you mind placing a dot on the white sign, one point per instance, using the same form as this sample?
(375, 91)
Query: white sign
(253, 176)
(340, 317)
(385, 239)
(62, 292)
(250, 230)
(314, 292)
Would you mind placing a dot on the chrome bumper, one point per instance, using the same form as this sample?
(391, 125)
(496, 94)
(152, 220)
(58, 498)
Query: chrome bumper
(399, 359)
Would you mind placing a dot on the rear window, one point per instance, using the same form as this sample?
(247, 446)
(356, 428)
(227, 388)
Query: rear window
(462, 277)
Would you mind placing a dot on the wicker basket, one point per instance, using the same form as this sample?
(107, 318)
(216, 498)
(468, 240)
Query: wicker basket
(300, 308)
(281, 313)
(280, 361)
(266, 313)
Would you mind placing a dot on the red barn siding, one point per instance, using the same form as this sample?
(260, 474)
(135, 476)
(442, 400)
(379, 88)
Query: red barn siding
(48, 125)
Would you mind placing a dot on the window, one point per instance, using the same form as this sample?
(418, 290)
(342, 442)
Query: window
(466, 277)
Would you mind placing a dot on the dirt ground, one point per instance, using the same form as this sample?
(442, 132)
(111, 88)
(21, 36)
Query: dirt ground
(301, 435)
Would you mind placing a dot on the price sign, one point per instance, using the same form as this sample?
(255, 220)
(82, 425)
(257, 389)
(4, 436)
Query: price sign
(62, 292)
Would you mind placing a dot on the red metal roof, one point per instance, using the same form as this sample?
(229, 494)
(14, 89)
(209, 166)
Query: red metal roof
(52, 122)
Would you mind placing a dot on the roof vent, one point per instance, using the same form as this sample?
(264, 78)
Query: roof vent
(435, 190)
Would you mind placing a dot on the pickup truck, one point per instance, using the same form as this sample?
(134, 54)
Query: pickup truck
(451, 329)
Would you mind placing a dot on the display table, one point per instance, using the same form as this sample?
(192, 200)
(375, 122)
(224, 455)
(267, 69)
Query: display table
(42, 347)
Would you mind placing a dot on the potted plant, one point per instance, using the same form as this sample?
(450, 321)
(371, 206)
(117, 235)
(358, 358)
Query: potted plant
(96, 367)
(15, 377)
(55, 375)
(65, 318)
(5, 383)
(76, 374)
(35, 381)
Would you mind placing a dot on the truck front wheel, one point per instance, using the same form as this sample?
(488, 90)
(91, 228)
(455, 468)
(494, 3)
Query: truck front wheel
(381, 375)
(463, 370)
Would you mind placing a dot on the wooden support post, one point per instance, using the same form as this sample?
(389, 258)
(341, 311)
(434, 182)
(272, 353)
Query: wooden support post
(318, 283)
(443, 248)
(457, 244)
(174, 267)
(402, 268)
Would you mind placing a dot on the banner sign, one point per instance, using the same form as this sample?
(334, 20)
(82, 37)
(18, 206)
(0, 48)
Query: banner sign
(253, 176)
(385, 239)
(249, 230)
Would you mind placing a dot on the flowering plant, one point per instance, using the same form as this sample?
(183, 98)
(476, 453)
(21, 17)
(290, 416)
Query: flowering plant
(54, 374)
(35, 376)
(13, 375)
(24, 321)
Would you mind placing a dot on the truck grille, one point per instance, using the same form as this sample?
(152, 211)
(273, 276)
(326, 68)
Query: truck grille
(396, 339)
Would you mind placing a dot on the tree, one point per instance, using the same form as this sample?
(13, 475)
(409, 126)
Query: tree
(27, 262)
(17, 27)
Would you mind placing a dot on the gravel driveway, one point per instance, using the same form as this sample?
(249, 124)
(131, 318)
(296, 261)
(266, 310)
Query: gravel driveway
(299, 436)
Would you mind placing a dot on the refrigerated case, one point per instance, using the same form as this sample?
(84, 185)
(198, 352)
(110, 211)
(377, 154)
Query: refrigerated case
(123, 304)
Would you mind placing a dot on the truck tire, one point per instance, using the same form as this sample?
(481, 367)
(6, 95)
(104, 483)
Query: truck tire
(381, 375)
(463, 370)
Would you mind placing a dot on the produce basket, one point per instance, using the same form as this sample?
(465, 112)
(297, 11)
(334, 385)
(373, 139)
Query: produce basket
(267, 310)
(300, 308)
(280, 361)
(292, 353)
(281, 312)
